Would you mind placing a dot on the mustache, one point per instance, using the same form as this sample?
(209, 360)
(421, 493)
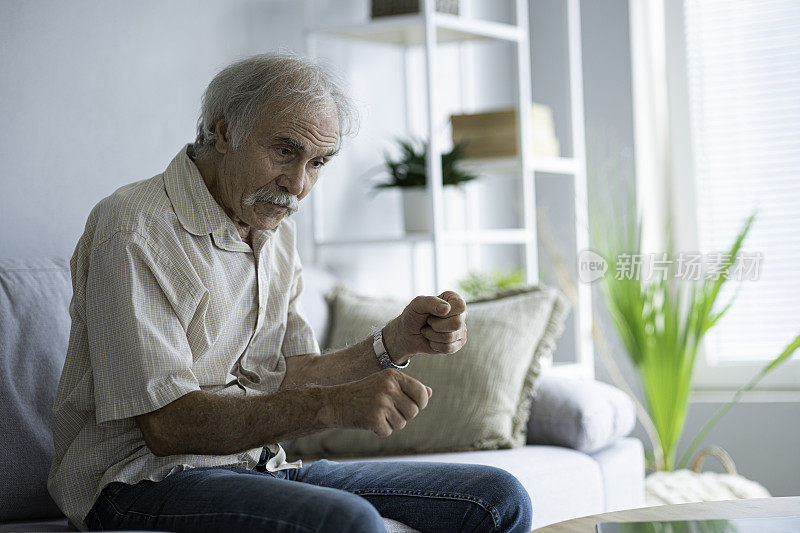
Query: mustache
(277, 196)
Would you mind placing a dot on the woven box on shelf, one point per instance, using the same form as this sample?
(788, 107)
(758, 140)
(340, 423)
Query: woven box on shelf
(385, 8)
(494, 134)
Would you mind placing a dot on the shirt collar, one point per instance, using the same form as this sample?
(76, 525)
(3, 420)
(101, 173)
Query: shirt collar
(196, 209)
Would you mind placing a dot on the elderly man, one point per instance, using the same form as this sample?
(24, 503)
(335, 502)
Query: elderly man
(189, 357)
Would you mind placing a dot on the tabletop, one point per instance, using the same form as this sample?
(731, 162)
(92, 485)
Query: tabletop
(755, 508)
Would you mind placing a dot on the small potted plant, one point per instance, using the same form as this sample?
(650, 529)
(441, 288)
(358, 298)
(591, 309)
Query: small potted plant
(409, 174)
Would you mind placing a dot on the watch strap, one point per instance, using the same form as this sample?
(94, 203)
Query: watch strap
(382, 354)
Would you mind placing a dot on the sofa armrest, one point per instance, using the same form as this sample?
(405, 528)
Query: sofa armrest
(580, 414)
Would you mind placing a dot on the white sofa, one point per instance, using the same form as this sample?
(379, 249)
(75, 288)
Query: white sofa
(604, 473)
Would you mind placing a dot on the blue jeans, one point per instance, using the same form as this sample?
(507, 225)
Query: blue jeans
(324, 496)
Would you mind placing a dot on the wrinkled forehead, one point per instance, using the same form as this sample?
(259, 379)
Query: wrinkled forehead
(317, 125)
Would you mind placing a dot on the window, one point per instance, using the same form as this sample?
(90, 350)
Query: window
(743, 78)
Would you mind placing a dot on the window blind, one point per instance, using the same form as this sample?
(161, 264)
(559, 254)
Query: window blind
(743, 71)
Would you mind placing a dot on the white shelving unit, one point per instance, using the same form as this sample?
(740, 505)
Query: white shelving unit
(428, 30)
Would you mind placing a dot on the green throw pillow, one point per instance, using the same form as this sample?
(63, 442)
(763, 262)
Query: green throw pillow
(481, 394)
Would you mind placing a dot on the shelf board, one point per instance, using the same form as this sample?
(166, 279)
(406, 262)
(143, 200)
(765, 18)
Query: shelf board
(410, 238)
(554, 165)
(489, 236)
(409, 30)
(511, 165)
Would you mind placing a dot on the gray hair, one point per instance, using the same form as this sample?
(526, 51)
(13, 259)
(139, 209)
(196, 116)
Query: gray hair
(273, 84)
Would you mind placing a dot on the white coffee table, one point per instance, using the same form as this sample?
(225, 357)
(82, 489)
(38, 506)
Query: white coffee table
(687, 511)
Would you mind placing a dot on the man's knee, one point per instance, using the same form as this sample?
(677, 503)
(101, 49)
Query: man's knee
(510, 502)
(349, 512)
(514, 502)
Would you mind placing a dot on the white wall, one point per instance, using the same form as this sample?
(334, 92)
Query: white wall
(97, 94)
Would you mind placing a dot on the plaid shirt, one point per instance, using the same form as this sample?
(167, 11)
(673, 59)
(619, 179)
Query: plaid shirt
(167, 299)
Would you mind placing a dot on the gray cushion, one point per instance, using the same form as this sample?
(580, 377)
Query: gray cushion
(582, 415)
(34, 328)
(481, 394)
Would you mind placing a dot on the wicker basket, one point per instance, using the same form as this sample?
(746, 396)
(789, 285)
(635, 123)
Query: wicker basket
(385, 8)
(685, 486)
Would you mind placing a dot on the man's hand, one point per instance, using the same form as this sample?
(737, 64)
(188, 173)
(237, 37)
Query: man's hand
(429, 324)
(381, 402)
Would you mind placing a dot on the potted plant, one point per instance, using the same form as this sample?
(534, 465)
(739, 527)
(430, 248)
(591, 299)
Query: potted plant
(661, 323)
(409, 174)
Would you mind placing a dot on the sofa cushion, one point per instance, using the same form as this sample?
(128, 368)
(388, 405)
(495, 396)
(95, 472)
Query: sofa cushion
(579, 414)
(481, 394)
(34, 329)
(622, 467)
(317, 283)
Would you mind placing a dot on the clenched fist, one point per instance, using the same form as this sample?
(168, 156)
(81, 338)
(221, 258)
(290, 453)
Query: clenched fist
(381, 402)
(429, 324)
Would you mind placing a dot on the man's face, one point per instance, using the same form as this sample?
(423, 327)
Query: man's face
(280, 161)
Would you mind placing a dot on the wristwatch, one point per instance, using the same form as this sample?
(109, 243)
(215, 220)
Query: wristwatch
(382, 354)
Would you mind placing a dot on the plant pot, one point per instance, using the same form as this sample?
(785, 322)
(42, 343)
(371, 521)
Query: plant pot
(416, 210)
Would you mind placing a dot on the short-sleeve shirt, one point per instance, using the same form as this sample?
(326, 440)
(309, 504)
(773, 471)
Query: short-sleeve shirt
(167, 299)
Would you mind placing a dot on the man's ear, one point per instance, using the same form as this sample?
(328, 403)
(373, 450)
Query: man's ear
(221, 142)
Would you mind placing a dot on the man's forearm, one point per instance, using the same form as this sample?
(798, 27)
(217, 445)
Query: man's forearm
(343, 366)
(428, 324)
(207, 423)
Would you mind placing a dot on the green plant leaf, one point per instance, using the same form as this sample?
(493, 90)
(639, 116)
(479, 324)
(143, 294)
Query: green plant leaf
(477, 284)
(790, 349)
(661, 323)
(410, 170)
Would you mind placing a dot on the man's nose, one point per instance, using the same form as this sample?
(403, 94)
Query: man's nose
(293, 179)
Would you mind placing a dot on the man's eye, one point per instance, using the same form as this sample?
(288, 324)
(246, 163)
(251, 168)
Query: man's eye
(285, 152)
(318, 164)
